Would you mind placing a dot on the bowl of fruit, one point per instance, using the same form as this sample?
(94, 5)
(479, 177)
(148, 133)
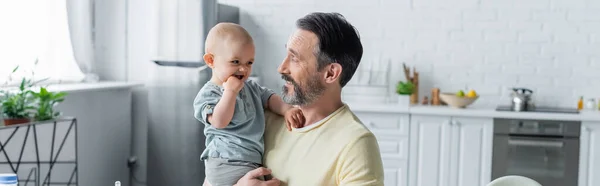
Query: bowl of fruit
(459, 99)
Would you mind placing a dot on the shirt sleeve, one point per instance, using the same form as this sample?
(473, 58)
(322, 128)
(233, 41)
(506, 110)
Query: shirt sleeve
(264, 93)
(205, 102)
(360, 163)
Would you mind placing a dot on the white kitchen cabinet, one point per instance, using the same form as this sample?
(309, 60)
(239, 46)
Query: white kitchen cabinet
(589, 164)
(450, 151)
(391, 131)
(471, 151)
(429, 150)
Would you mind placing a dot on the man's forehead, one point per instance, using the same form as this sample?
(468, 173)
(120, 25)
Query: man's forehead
(302, 39)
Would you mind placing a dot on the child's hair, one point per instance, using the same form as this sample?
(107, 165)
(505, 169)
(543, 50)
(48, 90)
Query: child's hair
(225, 32)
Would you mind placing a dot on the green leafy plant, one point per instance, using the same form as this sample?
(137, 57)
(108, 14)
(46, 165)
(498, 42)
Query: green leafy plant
(18, 104)
(46, 101)
(405, 88)
(23, 103)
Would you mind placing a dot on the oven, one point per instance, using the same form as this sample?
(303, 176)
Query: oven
(544, 150)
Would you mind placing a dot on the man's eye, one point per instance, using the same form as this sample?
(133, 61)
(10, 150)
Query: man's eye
(235, 62)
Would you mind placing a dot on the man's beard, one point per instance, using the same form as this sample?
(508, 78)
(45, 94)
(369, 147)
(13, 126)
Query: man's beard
(302, 95)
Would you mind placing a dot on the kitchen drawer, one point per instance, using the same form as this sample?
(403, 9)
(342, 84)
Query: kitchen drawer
(385, 123)
(393, 147)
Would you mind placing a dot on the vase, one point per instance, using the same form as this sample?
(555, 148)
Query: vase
(404, 100)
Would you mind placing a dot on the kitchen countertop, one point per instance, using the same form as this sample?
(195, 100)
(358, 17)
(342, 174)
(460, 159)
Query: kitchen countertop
(472, 112)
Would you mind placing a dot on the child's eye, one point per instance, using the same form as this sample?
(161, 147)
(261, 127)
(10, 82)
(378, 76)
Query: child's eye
(250, 62)
(235, 62)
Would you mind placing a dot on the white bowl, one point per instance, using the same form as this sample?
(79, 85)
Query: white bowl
(457, 102)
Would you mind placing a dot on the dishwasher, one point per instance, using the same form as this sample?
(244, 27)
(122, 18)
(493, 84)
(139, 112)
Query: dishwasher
(544, 150)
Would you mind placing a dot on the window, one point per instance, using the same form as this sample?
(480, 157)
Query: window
(33, 30)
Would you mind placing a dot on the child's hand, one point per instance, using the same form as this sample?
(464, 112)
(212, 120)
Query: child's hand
(234, 84)
(294, 118)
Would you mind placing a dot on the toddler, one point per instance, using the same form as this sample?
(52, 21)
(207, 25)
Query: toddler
(232, 107)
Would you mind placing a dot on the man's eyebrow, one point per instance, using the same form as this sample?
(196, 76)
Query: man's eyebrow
(291, 50)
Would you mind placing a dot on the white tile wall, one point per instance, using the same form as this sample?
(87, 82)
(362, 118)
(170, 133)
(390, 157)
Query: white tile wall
(550, 46)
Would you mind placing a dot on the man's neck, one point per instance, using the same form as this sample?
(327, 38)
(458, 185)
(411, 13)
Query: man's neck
(320, 108)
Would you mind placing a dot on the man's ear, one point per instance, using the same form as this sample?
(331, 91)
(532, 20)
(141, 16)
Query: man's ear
(209, 60)
(333, 73)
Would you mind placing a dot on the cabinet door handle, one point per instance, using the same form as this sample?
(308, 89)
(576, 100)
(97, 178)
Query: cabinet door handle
(454, 123)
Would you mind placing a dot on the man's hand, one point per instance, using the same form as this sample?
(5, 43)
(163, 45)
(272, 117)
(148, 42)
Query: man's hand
(251, 178)
(234, 84)
(294, 118)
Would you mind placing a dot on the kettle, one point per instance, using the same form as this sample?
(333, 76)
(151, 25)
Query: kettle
(521, 99)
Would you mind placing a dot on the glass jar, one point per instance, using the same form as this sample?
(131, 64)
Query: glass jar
(591, 104)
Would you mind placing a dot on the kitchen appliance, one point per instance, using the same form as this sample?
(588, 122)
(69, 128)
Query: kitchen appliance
(544, 150)
(542, 109)
(521, 99)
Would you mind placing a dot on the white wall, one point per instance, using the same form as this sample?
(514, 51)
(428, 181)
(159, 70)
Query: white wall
(550, 46)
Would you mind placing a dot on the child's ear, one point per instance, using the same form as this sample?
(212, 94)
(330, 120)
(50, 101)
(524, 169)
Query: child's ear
(209, 60)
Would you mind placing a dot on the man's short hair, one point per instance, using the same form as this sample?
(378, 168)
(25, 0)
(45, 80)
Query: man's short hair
(339, 42)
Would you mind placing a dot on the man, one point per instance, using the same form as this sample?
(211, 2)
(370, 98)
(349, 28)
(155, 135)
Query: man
(332, 147)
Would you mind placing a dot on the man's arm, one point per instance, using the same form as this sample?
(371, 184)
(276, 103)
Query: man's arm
(361, 163)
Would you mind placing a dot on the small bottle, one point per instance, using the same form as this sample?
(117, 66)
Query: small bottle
(580, 103)
(598, 104)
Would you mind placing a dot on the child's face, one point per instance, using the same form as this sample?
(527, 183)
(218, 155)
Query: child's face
(236, 60)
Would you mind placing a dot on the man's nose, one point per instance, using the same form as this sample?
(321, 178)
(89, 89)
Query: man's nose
(283, 67)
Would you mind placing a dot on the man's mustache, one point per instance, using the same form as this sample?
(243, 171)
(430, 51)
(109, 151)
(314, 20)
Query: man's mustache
(287, 78)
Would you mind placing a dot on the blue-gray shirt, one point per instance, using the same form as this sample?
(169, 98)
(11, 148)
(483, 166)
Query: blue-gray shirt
(242, 139)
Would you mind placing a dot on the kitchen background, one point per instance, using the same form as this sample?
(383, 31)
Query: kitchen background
(549, 46)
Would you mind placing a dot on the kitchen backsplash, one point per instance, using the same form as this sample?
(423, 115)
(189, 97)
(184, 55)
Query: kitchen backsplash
(549, 46)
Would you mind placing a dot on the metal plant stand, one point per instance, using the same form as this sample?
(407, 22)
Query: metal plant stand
(41, 153)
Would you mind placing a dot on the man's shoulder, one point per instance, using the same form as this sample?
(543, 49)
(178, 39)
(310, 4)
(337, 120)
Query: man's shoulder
(273, 122)
(351, 124)
(272, 116)
(346, 121)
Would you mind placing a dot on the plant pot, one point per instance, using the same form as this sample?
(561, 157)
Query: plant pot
(404, 100)
(14, 121)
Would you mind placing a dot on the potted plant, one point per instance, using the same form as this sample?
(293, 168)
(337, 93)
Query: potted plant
(45, 103)
(404, 90)
(17, 106)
